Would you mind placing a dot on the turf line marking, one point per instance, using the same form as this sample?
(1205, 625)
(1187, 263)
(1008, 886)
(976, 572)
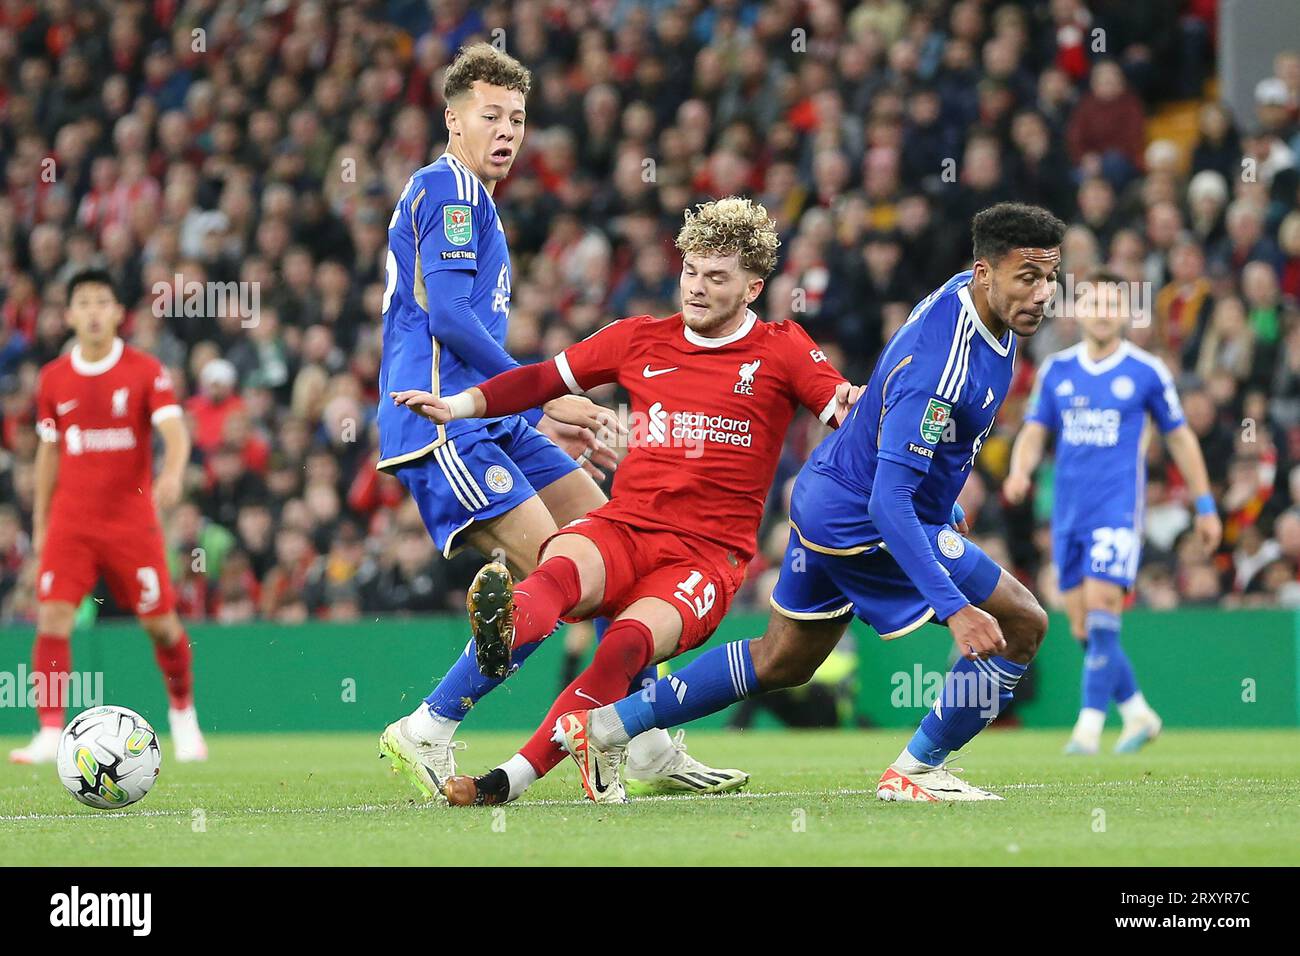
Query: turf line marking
(550, 802)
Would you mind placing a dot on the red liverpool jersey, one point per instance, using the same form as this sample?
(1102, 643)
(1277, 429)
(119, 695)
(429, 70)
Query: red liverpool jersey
(708, 418)
(102, 415)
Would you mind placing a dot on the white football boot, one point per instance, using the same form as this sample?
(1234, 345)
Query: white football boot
(676, 771)
(1085, 738)
(927, 785)
(188, 744)
(601, 770)
(1077, 747)
(1138, 732)
(427, 763)
(44, 747)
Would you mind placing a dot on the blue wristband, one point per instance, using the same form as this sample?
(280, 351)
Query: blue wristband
(958, 515)
(1205, 504)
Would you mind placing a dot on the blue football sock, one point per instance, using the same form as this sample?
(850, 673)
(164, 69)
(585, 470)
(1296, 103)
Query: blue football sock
(714, 680)
(1107, 672)
(1117, 673)
(973, 694)
(464, 686)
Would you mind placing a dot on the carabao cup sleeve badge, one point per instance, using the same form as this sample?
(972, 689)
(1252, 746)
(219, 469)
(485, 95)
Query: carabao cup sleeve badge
(457, 224)
(936, 417)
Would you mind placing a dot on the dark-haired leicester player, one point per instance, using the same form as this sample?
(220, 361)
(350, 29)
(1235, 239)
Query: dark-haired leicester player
(870, 533)
(499, 484)
(716, 390)
(1095, 399)
(95, 513)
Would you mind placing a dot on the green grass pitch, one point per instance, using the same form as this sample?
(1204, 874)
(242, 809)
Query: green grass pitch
(1193, 797)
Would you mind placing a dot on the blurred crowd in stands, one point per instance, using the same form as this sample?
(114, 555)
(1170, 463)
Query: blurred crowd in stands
(265, 143)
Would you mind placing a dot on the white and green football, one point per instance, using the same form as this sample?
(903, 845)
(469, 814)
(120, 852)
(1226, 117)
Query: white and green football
(109, 757)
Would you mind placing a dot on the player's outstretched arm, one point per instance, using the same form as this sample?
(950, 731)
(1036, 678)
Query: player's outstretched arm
(975, 632)
(509, 393)
(1026, 456)
(466, 404)
(1186, 452)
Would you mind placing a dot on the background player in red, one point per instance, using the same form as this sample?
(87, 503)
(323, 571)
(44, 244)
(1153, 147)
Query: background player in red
(713, 391)
(96, 508)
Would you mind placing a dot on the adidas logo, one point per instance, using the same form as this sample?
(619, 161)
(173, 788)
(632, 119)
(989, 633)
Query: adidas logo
(679, 687)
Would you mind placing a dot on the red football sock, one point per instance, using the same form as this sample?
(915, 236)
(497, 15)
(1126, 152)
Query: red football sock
(174, 662)
(627, 648)
(552, 590)
(52, 659)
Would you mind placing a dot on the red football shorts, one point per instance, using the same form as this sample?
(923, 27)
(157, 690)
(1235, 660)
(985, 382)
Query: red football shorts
(133, 563)
(696, 577)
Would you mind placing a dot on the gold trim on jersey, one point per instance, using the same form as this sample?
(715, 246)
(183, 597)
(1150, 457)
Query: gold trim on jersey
(822, 549)
(884, 390)
(422, 300)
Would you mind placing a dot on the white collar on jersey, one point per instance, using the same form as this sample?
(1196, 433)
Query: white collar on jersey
(1106, 364)
(82, 367)
(963, 294)
(696, 339)
(461, 168)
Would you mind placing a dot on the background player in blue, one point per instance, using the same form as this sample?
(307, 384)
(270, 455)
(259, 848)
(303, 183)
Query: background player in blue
(498, 485)
(871, 534)
(1094, 399)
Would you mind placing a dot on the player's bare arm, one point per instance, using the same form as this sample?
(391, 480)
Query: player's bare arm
(168, 485)
(1026, 456)
(1186, 452)
(47, 475)
(566, 409)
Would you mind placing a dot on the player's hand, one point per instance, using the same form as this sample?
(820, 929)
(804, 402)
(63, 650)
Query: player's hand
(1209, 531)
(580, 444)
(426, 404)
(583, 412)
(976, 633)
(846, 396)
(963, 527)
(1016, 487)
(167, 491)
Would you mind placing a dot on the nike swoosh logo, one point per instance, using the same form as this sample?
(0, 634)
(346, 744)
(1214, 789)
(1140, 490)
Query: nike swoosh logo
(649, 373)
(64, 407)
(580, 693)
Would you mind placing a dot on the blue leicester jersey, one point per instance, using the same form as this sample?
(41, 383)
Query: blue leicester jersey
(932, 400)
(1098, 413)
(445, 220)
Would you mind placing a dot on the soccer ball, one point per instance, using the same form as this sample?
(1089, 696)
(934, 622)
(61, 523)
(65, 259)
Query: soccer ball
(109, 757)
